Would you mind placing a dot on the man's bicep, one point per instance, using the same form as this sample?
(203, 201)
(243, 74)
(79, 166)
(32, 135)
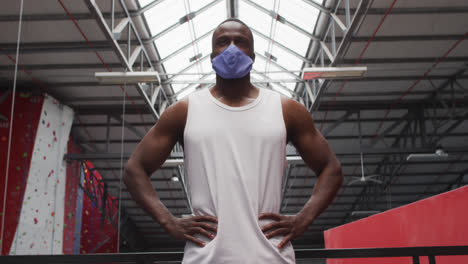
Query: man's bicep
(157, 144)
(308, 141)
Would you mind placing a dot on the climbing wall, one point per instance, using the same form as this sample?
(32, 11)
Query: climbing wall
(40, 227)
(26, 118)
(73, 204)
(98, 232)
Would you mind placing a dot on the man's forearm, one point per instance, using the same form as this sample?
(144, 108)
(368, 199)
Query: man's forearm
(142, 191)
(328, 183)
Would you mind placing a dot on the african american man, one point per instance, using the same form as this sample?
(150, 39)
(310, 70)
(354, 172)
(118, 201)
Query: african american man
(234, 137)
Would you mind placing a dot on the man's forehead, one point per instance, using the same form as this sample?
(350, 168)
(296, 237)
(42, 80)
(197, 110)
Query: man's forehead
(232, 27)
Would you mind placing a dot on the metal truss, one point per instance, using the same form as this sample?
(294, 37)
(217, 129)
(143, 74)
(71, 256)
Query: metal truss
(139, 12)
(113, 30)
(333, 51)
(414, 132)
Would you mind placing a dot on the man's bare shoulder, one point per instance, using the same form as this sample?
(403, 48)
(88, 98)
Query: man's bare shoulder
(293, 111)
(174, 117)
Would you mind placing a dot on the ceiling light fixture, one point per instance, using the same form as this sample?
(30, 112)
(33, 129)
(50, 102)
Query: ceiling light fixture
(437, 155)
(333, 72)
(127, 77)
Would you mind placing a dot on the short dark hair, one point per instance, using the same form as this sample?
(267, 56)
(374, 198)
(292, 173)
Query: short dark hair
(235, 20)
(238, 21)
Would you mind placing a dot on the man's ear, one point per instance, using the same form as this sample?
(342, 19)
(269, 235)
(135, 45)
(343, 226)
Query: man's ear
(253, 57)
(211, 56)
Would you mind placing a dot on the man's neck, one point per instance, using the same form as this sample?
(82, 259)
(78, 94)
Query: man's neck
(234, 89)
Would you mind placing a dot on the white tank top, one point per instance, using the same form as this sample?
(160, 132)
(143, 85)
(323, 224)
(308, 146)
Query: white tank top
(234, 162)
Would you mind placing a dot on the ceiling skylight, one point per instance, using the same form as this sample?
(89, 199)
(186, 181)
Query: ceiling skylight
(185, 48)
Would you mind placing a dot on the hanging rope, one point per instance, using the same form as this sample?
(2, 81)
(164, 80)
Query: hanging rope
(11, 126)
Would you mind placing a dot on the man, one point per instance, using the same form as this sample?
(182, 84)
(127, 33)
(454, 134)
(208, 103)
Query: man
(234, 138)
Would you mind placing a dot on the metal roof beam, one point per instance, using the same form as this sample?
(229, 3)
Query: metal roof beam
(342, 48)
(96, 11)
(291, 159)
(99, 109)
(442, 10)
(281, 20)
(452, 37)
(331, 121)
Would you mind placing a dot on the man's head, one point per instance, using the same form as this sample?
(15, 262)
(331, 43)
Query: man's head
(232, 31)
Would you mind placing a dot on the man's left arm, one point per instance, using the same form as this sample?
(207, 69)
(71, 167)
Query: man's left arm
(317, 154)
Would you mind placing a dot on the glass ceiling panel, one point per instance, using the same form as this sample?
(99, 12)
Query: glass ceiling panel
(280, 89)
(260, 44)
(206, 66)
(144, 2)
(179, 61)
(173, 40)
(168, 12)
(189, 74)
(191, 88)
(195, 5)
(204, 46)
(210, 18)
(259, 64)
(267, 4)
(186, 92)
(164, 14)
(255, 18)
(299, 13)
(291, 38)
(288, 61)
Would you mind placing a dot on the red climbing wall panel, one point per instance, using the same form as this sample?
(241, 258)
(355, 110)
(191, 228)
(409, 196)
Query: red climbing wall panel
(436, 221)
(98, 235)
(26, 118)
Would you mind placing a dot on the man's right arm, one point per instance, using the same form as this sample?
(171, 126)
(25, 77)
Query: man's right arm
(149, 156)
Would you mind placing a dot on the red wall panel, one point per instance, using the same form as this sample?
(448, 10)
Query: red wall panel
(98, 235)
(436, 221)
(27, 113)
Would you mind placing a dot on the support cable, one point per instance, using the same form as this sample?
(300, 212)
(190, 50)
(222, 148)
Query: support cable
(121, 164)
(11, 127)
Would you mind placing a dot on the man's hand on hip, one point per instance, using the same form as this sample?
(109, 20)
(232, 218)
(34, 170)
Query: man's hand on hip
(185, 228)
(290, 226)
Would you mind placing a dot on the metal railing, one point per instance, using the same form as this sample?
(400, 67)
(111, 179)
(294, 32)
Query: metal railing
(176, 257)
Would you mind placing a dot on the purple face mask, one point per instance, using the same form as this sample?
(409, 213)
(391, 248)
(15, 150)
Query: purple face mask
(232, 63)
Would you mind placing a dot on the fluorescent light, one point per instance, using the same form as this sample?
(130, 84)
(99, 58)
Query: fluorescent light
(127, 77)
(175, 179)
(333, 72)
(355, 213)
(437, 155)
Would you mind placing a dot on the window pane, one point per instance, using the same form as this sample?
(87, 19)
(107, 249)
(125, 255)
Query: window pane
(204, 47)
(260, 44)
(286, 60)
(186, 92)
(259, 64)
(164, 15)
(145, 2)
(197, 4)
(267, 4)
(281, 90)
(291, 38)
(179, 62)
(299, 13)
(173, 40)
(254, 18)
(210, 18)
